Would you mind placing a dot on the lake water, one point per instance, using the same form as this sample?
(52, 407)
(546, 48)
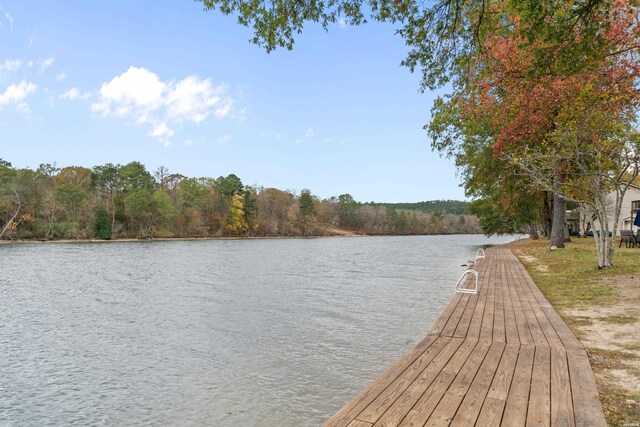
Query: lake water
(276, 332)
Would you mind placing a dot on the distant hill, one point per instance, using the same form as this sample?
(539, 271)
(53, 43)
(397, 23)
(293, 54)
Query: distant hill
(455, 207)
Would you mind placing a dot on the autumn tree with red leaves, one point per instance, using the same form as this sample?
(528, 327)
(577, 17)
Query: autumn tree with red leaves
(556, 102)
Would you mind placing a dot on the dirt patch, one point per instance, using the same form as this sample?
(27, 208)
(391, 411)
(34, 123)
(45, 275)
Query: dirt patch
(533, 261)
(611, 334)
(338, 232)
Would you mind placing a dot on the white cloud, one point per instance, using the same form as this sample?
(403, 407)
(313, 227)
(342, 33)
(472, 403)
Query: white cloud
(142, 98)
(224, 139)
(16, 94)
(188, 143)
(71, 95)
(30, 41)
(45, 63)
(74, 94)
(161, 131)
(342, 22)
(10, 19)
(11, 65)
(61, 77)
(193, 99)
(29, 64)
(133, 92)
(309, 133)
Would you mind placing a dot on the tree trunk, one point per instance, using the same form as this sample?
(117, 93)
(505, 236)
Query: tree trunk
(546, 215)
(533, 230)
(604, 244)
(113, 212)
(558, 224)
(567, 236)
(18, 202)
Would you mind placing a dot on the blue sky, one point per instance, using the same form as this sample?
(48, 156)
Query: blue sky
(164, 83)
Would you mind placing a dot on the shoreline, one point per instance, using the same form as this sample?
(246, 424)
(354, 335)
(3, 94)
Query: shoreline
(188, 239)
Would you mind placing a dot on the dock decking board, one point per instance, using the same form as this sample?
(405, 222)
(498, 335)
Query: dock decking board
(501, 357)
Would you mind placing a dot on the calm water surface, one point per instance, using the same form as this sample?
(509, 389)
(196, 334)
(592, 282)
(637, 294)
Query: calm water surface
(221, 333)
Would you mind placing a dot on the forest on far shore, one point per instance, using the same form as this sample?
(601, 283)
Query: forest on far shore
(127, 201)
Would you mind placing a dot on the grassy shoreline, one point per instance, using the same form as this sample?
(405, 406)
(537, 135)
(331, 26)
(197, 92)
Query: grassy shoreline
(602, 308)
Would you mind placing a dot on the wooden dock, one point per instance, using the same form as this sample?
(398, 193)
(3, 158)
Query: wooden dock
(501, 357)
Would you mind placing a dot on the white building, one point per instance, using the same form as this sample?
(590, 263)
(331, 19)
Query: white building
(628, 211)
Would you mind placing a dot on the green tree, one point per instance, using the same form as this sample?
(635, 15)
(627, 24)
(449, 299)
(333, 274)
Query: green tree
(229, 185)
(107, 181)
(348, 213)
(101, 222)
(307, 208)
(134, 176)
(251, 208)
(10, 200)
(194, 196)
(149, 210)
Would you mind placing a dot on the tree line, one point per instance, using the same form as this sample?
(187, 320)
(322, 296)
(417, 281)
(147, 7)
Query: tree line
(127, 201)
(457, 207)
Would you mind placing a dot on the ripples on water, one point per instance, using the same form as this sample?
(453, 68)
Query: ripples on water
(224, 333)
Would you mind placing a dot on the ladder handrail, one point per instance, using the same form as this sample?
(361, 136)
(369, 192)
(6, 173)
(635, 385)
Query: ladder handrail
(467, 290)
(478, 256)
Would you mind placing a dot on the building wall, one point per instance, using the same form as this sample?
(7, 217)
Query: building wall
(626, 216)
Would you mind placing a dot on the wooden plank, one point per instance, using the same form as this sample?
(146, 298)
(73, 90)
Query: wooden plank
(358, 423)
(478, 312)
(561, 403)
(446, 314)
(586, 405)
(423, 408)
(412, 394)
(465, 319)
(469, 409)
(524, 334)
(511, 327)
(486, 330)
(566, 335)
(532, 320)
(499, 330)
(355, 406)
(515, 411)
(504, 374)
(448, 406)
(450, 328)
(491, 413)
(547, 328)
(539, 412)
(385, 399)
